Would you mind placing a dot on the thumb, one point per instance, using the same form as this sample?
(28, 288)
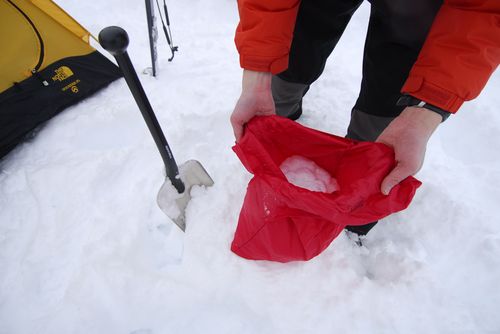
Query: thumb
(238, 132)
(398, 174)
(237, 126)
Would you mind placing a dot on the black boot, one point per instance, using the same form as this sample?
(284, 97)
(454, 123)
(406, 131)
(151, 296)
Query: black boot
(361, 229)
(358, 233)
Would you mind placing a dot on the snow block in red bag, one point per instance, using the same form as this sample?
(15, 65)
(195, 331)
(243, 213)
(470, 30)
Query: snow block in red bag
(282, 222)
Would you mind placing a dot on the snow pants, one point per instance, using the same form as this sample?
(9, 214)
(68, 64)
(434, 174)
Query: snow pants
(396, 32)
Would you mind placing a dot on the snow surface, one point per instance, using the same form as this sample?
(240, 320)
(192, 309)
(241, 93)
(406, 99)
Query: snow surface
(305, 173)
(85, 249)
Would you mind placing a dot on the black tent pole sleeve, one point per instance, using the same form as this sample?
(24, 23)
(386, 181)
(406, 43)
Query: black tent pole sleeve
(115, 40)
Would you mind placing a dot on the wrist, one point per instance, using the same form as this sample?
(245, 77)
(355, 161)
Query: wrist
(256, 81)
(410, 101)
(422, 118)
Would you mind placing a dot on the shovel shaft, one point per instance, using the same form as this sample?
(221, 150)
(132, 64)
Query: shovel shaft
(115, 40)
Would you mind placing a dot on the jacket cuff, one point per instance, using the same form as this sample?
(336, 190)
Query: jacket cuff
(426, 91)
(264, 64)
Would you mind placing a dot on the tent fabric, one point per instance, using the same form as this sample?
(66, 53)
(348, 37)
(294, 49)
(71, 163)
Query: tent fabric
(58, 14)
(282, 222)
(46, 65)
(28, 35)
(29, 104)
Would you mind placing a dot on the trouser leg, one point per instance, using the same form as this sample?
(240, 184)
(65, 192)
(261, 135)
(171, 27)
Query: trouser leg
(396, 33)
(288, 97)
(320, 23)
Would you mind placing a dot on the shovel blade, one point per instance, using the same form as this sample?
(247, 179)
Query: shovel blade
(174, 204)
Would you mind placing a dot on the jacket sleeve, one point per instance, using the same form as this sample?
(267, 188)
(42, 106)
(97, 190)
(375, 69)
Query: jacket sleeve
(265, 32)
(459, 55)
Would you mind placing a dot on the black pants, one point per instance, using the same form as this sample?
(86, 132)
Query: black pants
(396, 33)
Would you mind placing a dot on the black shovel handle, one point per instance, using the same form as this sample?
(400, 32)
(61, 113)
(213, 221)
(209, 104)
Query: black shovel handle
(115, 40)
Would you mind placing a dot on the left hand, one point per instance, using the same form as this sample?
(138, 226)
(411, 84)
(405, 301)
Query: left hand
(408, 135)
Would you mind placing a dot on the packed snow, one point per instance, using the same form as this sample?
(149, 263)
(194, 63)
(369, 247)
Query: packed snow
(305, 173)
(84, 247)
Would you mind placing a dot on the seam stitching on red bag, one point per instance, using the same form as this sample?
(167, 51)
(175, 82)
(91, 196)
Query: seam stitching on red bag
(263, 226)
(253, 236)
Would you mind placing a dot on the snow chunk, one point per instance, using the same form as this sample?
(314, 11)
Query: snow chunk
(305, 173)
(167, 199)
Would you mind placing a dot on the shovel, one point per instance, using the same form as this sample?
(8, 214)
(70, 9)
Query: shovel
(171, 201)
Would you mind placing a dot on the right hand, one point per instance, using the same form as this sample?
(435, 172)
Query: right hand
(408, 135)
(256, 100)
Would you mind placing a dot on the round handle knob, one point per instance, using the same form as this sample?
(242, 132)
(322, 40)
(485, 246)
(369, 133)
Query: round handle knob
(114, 40)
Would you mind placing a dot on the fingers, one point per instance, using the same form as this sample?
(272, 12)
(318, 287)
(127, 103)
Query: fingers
(408, 135)
(398, 174)
(256, 99)
(248, 106)
(237, 126)
(238, 131)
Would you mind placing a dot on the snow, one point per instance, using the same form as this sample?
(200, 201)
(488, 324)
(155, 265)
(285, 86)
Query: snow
(169, 198)
(306, 174)
(85, 249)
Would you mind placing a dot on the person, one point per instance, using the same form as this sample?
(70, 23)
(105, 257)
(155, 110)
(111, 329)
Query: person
(422, 59)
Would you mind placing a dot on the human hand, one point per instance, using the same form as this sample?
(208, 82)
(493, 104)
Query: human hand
(256, 100)
(408, 135)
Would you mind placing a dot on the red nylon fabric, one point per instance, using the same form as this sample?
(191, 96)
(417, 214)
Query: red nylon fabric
(282, 222)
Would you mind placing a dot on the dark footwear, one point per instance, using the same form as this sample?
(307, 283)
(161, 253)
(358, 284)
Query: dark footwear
(358, 239)
(358, 233)
(361, 229)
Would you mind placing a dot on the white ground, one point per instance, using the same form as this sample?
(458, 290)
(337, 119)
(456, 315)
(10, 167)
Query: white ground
(85, 249)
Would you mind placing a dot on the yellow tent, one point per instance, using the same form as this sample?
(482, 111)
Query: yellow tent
(46, 64)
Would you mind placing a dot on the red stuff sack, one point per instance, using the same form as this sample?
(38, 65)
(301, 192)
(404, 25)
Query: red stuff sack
(282, 222)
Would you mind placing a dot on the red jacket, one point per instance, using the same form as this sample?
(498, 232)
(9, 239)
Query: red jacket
(460, 53)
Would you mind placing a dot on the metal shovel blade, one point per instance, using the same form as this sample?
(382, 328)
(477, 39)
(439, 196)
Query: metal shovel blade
(192, 173)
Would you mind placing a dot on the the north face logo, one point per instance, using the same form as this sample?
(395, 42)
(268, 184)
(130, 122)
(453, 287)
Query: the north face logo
(62, 73)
